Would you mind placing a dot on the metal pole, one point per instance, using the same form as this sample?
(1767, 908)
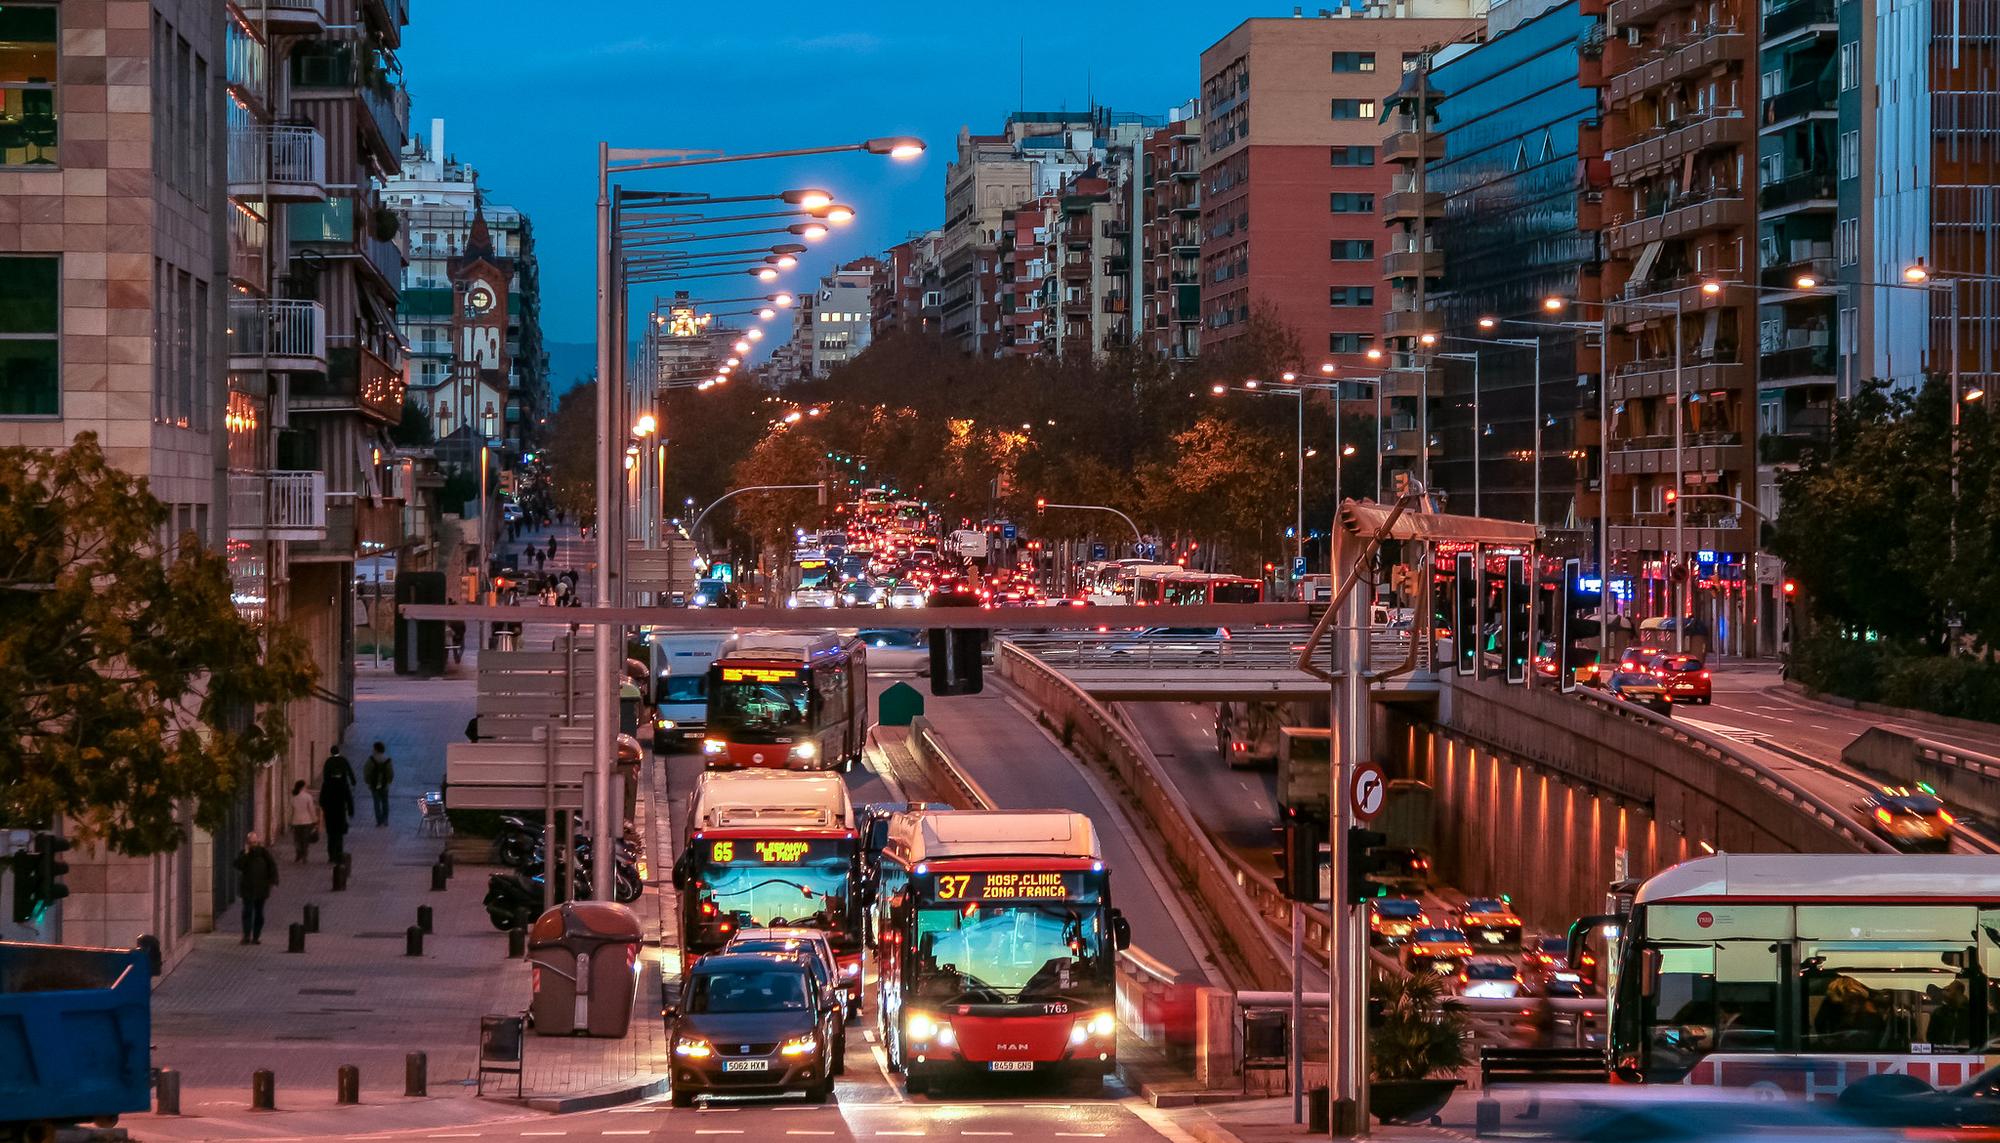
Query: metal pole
(1604, 489)
(1680, 485)
(1294, 1045)
(1478, 430)
(605, 653)
(1347, 1018)
(1378, 450)
(1339, 454)
(1536, 516)
(1299, 507)
(549, 838)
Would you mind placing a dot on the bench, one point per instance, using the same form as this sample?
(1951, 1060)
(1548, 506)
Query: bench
(1513, 1067)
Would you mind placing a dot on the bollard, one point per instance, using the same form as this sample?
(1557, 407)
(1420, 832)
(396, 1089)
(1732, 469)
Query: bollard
(312, 918)
(424, 919)
(413, 941)
(263, 1090)
(438, 877)
(1317, 1119)
(517, 943)
(169, 1085)
(347, 1085)
(444, 859)
(340, 876)
(416, 1074)
(295, 938)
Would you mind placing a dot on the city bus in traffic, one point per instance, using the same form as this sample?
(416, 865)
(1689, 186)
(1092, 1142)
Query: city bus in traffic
(1799, 974)
(1179, 587)
(996, 945)
(788, 701)
(765, 849)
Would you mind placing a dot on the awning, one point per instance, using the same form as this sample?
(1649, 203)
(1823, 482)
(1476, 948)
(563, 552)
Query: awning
(1366, 518)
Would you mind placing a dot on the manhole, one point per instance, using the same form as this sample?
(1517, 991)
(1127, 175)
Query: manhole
(326, 992)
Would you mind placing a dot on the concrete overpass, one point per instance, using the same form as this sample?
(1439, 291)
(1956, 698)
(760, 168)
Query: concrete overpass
(1247, 665)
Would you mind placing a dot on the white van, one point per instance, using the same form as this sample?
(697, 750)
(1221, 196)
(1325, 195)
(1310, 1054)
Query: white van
(679, 675)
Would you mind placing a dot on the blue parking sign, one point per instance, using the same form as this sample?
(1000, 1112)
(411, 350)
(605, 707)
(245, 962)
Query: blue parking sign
(1298, 567)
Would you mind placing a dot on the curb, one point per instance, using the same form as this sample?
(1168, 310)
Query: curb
(1209, 1131)
(598, 1100)
(1923, 717)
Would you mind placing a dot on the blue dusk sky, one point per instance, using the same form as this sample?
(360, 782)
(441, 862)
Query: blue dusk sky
(527, 91)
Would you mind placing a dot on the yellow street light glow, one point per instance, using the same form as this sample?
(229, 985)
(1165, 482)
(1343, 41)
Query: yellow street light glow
(741, 347)
(1427, 339)
(1711, 288)
(1917, 273)
(1218, 388)
(765, 314)
(1326, 367)
(837, 213)
(785, 261)
(793, 417)
(1288, 376)
(645, 425)
(1488, 323)
(766, 274)
(755, 335)
(1807, 282)
(1374, 355)
(782, 301)
(1974, 393)
(735, 361)
(1252, 383)
(813, 231)
(810, 199)
(895, 146)
(1553, 304)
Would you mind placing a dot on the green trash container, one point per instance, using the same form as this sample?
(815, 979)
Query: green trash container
(585, 958)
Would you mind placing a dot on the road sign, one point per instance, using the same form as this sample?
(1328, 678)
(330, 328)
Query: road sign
(1099, 552)
(1007, 531)
(1367, 790)
(1298, 567)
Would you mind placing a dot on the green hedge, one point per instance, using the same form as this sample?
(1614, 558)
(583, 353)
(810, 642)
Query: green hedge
(1959, 687)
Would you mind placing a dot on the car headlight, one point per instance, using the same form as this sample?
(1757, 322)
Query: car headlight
(852, 968)
(693, 1047)
(701, 601)
(805, 750)
(798, 1046)
(792, 601)
(714, 746)
(665, 724)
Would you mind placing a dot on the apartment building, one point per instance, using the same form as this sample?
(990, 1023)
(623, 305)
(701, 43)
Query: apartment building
(1025, 254)
(906, 298)
(1289, 215)
(1507, 133)
(1087, 307)
(438, 200)
(1167, 314)
(840, 316)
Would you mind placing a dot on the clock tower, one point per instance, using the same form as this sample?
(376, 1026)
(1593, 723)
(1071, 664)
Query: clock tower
(479, 360)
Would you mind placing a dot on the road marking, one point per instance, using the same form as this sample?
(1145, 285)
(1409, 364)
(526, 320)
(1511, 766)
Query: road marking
(1817, 726)
(1079, 1134)
(1156, 1119)
(882, 1063)
(899, 1133)
(986, 1133)
(537, 1134)
(718, 1131)
(455, 1135)
(808, 1132)
(868, 1034)
(627, 1133)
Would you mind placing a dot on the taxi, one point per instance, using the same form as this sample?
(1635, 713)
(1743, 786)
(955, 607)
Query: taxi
(1490, 921)
(1442, 951)
(1394, 919)
(1910, 820)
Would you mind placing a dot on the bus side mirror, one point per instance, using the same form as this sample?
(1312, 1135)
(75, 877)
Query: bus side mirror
(1121, 931)
(683, 872)
(878, 835)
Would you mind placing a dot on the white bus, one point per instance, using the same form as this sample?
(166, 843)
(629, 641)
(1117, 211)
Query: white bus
(1799, 973)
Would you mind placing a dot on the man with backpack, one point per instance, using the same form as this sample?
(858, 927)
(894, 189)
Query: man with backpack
(377, 773)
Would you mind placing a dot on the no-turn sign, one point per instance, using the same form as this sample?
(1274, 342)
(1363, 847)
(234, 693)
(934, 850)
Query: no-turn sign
(1366, 791)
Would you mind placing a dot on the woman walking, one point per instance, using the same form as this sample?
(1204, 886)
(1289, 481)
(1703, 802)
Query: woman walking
(304, 819)
(259, 871)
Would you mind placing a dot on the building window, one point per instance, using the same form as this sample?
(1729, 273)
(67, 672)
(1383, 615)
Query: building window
(1352, 250)
(1353, 156)
(1350, 295)
(1850, 154)
(1850, 241)
(1353, 61)
(1354, 109)
(1850, 66)
(1349, 342)
(30, 301)
(1348, 202)
(27, 87)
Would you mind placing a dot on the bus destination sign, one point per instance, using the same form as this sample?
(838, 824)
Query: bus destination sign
(776, 852)
(760, 674)
(1039, 885)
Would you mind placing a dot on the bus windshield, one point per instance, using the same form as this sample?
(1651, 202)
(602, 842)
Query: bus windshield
(985, 953)
(758, 707)
(774, 882)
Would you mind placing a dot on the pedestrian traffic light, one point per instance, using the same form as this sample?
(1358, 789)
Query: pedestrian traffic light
(1363, 863)
(956, 660)
(1791, 588)
(1298, 861)
(48, 857)
(27, 891)
(1672, 496)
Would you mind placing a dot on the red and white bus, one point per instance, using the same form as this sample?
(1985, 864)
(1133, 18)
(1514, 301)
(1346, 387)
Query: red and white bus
(1798, 974)
(766, 849)
(1179, 587)
(788, 701)
(996, 945)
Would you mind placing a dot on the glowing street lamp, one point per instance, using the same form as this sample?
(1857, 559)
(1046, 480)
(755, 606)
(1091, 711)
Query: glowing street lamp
(895, 146)
(810, 198)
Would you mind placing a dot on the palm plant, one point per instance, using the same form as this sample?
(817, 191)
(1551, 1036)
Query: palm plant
(1413, 1031)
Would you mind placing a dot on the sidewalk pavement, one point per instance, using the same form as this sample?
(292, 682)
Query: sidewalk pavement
(353, 997)
(1270, 1121)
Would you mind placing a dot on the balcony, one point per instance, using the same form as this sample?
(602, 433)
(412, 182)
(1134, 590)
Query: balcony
(1076, 271)
(288, 17)
(1403, 323)
(276, 334)
(1655, 378)
(1813, 17)
(1701, 533)
(1114, 304)
(278, 164)
(1805, 190)
(1717, 43)
(1076, 307)
(1664, 146)
(354, 380)
(1797, 364)
(1703, 452)
(1680, 222)
(1186, 241)
(277, 506)
(1411, 263)
(1411, 205)
(1409, 146)
(385, 258)
(1640, 12)
(248, 236)
(1807, 99)
(354, 526)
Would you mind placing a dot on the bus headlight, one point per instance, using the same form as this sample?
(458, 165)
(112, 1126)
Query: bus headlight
(714, 746)
(924, 1028)
(1101, 1024)
(665, 724)
(798, 1046)
(805, 750)
(693, 1047)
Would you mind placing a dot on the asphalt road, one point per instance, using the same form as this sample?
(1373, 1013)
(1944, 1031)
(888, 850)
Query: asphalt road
(1238, 808)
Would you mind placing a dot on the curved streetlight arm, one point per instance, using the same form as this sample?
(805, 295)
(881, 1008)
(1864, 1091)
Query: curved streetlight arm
(694, 529)
(1736, 500)
(1136, 537)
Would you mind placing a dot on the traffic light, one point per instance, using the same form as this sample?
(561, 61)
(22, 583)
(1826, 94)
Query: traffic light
(1298, 862)
(1363, 863)
(51, 868)
(1791, 589)
(27, 889)
(956, 667)
(1672, 496)
(1041, 502)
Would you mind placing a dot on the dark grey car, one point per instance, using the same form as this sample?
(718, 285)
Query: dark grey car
(752, 1024)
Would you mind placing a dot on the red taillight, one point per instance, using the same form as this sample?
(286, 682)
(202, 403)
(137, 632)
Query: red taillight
(1704, 674)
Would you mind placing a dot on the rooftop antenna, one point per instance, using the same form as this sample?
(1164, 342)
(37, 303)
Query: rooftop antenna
(1021, 99)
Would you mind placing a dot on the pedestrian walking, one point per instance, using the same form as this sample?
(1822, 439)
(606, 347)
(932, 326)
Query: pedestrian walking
(259, 873)
(552, 547)
(337, 765)
(542, 559)
(304, 820)
(377, 773)
(336, 803)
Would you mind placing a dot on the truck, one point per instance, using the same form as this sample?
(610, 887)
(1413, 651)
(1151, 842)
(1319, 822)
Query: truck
(75, 1036)
(1247, 733)
(678, 668)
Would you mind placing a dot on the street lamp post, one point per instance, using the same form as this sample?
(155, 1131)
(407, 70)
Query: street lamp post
(1478, 429)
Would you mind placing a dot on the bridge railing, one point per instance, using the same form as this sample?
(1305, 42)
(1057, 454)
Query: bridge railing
(1274, 650)
(1961, 777)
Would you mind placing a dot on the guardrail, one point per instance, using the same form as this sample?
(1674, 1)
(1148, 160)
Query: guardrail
(1090, 731)
(1961, 777)
(1257, 651)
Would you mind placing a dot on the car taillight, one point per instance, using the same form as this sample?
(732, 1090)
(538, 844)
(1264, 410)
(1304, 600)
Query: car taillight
(1882, 816)
(1704, 674)
(1945, 816)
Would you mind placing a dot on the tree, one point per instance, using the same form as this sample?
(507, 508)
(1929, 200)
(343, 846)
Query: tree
(572, 453)
(414, 430)
(783, 457)
(130, 686)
